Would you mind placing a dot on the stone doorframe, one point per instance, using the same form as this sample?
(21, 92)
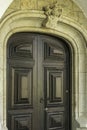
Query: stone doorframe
(35, 21)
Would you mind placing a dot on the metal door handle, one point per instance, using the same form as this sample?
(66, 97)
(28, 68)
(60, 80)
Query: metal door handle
(46, 109)
(67, 91)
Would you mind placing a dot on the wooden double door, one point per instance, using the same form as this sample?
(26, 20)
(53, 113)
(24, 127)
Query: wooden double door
(38, 83)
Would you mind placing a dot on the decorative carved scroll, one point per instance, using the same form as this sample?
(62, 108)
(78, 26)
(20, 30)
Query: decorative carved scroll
(53, 13)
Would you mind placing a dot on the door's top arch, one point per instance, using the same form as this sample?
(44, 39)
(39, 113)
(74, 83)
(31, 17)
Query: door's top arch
(20, 46)
(69, 8)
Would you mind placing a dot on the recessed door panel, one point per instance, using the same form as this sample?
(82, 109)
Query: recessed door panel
(54, 86)
(21, 122)
(21, 86)
(38, 83)
(53, 51)
(55, 120)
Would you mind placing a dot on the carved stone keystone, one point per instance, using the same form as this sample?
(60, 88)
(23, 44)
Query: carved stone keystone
(53, 13)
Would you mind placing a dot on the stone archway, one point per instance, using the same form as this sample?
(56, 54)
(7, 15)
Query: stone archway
(32, 21)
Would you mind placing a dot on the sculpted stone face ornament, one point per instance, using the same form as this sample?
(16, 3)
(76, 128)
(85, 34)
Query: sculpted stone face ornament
(56, 10)
(53, 13)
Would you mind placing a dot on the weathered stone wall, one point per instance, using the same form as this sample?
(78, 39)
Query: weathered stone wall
(70, 9)
(65, 20)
